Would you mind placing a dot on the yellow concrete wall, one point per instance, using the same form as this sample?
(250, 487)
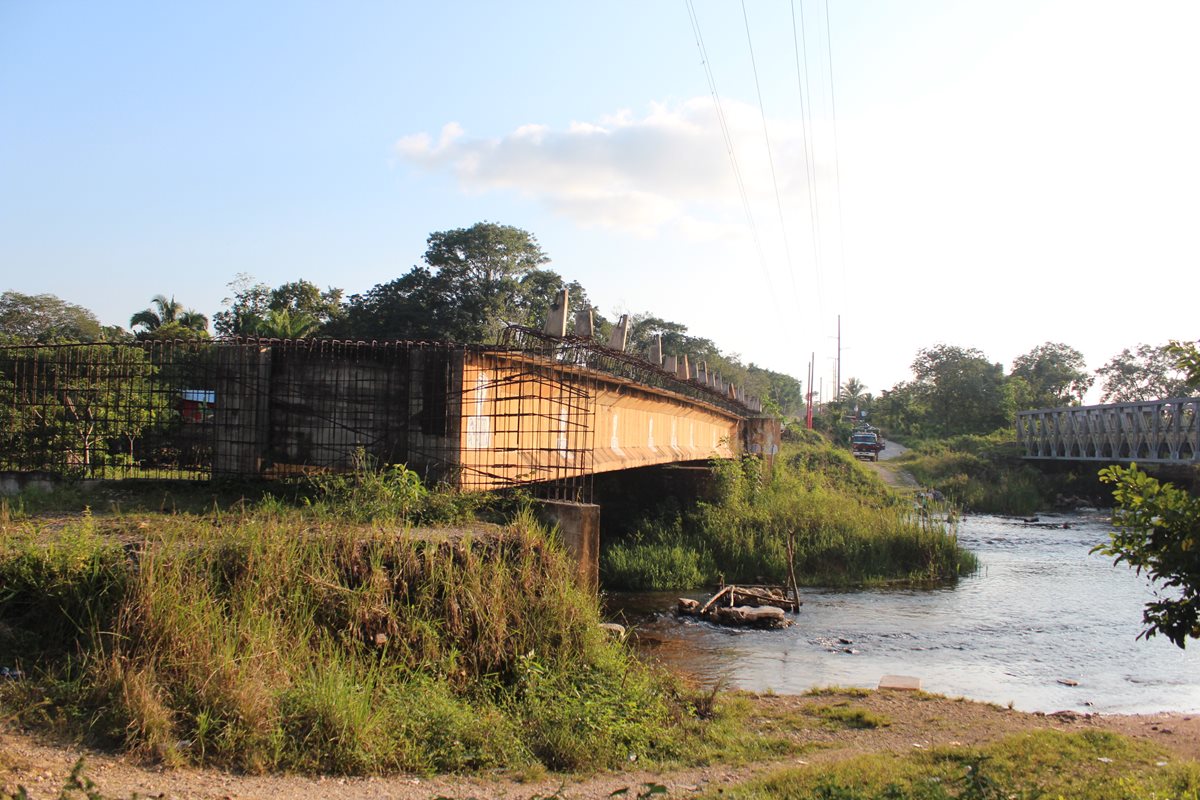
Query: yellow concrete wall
(525, 420)
(634, 429)
(521, 423)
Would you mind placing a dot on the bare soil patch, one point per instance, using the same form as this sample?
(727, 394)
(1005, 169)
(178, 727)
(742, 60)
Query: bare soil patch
(909, 720)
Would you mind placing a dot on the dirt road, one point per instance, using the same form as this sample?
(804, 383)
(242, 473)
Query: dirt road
(890, 472)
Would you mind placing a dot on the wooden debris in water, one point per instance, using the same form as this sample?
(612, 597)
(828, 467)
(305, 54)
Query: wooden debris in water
(744, 606)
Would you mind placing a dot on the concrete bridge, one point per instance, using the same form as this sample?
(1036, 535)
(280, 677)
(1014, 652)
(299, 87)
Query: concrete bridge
(1151, 432)
(541, 409)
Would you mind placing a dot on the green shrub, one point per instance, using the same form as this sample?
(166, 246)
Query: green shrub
(264, 641)
(983, 473)
(848, 529)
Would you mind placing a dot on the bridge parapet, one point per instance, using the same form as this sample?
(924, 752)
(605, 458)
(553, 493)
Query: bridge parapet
(1157, 431)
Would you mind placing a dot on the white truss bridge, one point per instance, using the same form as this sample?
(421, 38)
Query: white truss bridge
(1156, 431)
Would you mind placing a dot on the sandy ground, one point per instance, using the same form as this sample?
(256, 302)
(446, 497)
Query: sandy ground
(917, 721)
(889, 472)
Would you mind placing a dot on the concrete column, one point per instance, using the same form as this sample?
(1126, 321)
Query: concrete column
(619, 335)
(578, 525)
(241, 416)
(556, 320)
(684, 372)
(655, 354)
(583, 324)
(671, 363)
(761, 436)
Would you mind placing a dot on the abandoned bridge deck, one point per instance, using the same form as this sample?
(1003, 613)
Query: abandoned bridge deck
(1152, 432)
(543, 410)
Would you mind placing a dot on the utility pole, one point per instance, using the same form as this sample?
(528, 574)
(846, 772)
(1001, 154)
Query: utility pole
(809, 413)
(838, 393)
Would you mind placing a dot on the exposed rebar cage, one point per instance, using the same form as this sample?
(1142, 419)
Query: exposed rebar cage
(475, 418)
(587, 354)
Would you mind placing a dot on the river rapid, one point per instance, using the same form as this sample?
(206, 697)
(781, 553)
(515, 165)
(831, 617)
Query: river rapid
(1044, 625)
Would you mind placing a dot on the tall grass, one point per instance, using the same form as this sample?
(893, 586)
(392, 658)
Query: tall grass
(987, 474)
(848, 529)
(264, 641)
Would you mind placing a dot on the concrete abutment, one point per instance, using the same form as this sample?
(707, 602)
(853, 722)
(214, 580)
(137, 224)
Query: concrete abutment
(579, 526)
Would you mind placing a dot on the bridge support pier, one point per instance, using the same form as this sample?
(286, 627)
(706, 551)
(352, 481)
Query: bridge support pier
(579, 527)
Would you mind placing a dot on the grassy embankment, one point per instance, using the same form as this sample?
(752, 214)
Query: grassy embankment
(987, 474)
(269, 637)
(1092, 765)
(849, 529)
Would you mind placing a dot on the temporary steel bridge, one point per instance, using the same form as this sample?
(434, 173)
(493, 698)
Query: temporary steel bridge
(1153, 432)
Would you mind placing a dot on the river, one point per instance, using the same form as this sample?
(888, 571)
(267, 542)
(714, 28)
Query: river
(1041, 613)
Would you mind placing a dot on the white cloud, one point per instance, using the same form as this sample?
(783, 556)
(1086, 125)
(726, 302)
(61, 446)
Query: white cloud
(666, 170)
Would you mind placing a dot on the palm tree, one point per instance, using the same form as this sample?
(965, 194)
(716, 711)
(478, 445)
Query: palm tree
(852, 391)
(283, 324)
(169, 314)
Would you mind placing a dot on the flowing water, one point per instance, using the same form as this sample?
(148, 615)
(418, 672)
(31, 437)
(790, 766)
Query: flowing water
(1042, 612)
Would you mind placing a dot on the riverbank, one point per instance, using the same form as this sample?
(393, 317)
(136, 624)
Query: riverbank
(820, 733)
(815, 509)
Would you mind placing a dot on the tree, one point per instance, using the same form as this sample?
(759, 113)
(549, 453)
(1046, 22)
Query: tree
(963, 391)
(44, 318)
(284, 324)
(1187, 360)
(168, 319)
(474, 281)
(247, 313)
(902, 409)
(1150, 373)
(781, 393)
(479, 270)
(1158, 529)
(72, 410)
(1158, 532)
(1055, 374)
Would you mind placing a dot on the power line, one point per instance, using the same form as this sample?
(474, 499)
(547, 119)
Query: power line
(837, 169)
(810, 168)
(787, 249)
(728, 137)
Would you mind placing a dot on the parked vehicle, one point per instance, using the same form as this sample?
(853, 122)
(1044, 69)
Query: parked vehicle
(866, 444)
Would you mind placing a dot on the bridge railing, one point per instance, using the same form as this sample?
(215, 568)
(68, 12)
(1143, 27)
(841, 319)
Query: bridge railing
(588, 354)
(1157, 431)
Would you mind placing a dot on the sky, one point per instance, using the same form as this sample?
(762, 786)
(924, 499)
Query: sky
(987, 175)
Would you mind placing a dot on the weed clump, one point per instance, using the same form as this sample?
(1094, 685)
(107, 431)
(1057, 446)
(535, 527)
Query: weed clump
(264, 641)
(847, 528)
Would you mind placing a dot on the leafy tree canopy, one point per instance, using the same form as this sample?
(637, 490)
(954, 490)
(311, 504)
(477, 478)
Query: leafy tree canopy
(1149, 373)
(1158, 528)
(1187, 360)
(1158, 533)
(474, 281)
(168, 319)
(964, 392)
(1055, 374)
(289, 311)
(43, 318)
